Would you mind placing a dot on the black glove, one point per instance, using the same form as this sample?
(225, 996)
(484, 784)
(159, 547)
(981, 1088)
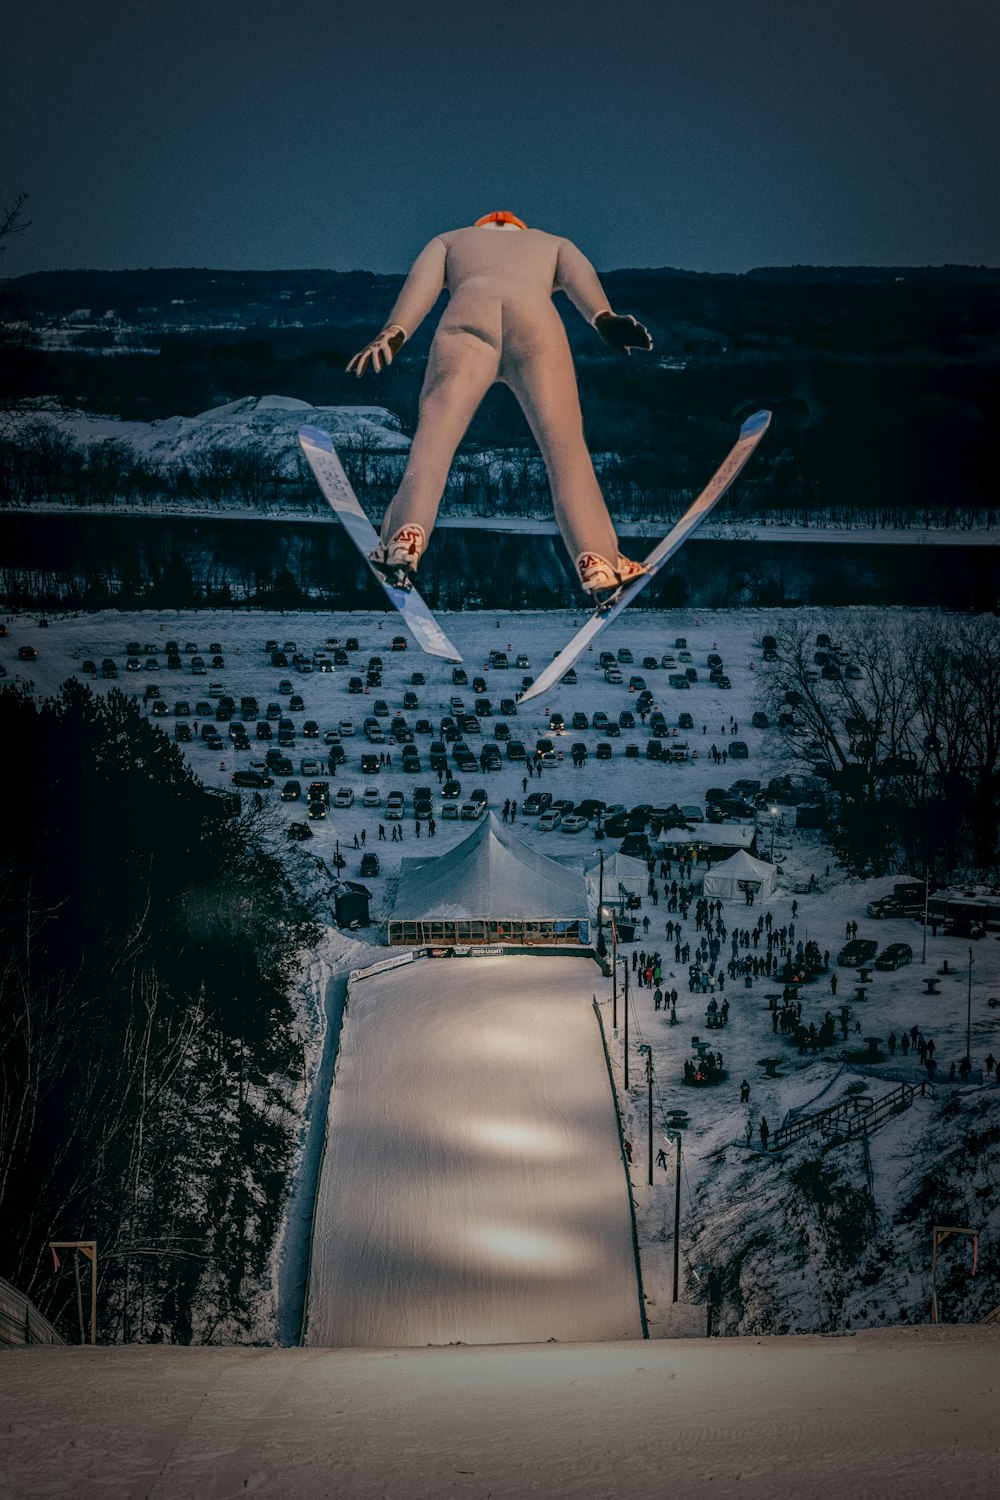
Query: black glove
(380, 351)
(622, 332)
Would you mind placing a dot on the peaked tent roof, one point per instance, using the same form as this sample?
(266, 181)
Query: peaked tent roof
(490, 874)
(722, 877)
(619, 869)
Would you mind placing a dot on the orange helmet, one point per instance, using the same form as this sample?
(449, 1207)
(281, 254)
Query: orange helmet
(501, 216)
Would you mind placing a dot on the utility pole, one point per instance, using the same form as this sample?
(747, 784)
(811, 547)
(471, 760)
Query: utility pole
(89, 1249)
(923, 956)
(677, 1215)
(648, 1051)
(600, 907)
(626, 1027)
(614, 972)
(968, 1015)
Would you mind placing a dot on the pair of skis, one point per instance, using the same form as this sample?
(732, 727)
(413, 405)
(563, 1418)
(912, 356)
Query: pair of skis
(414, 612)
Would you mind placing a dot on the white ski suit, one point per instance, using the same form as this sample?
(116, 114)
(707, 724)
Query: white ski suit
(500, 325)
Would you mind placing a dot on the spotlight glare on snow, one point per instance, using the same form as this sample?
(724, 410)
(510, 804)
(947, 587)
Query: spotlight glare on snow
(524, 1247)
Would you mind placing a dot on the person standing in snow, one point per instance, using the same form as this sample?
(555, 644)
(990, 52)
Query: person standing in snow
(500, 326)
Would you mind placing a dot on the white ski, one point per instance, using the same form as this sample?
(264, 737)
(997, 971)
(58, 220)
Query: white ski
(751, 432)
(329, 471)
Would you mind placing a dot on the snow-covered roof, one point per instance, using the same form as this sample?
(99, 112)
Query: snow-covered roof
(491, 874)
(725, 834)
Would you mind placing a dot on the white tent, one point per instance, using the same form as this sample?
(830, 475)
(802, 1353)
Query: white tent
(489, 888)
(738, 874)
(620, 870)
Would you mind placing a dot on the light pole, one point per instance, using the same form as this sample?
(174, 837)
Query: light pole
(923, 956)
(674, 1138)
(625, 997)
(647, 1049)
(774, 818)
(968, 1015)
(614, 972)
(601, 946)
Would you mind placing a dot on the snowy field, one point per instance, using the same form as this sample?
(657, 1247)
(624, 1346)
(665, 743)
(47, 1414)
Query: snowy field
(722, 1180)
(903, 1415)
(473, 1188)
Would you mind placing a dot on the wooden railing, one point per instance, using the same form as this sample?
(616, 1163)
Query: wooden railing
(853, 1117)
(20, 1320)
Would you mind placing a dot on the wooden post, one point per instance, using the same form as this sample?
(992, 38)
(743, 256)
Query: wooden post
(89, 1249)
(941, 1232)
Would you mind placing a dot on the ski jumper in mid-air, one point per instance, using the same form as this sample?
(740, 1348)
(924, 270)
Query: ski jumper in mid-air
(500, 324)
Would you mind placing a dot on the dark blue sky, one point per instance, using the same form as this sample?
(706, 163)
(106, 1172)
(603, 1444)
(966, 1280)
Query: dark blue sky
(711, 135)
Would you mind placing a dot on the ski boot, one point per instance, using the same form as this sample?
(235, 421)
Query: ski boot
(603, 580)
(397, 558)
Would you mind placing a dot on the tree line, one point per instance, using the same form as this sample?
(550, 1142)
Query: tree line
(908, 744)
(148, 1044)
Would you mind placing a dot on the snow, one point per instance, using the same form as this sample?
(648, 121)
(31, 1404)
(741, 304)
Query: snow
(727, 1190)
(903, 1415)
(272, 422)
(473, 1189)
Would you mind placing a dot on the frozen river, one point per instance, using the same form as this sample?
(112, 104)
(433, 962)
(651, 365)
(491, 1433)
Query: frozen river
(473, 1189)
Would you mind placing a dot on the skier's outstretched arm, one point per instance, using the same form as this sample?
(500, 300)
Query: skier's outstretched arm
(420, 291)
(578, 279)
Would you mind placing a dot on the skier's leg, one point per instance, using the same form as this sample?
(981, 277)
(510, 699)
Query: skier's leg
(460, 370)
(544, 382)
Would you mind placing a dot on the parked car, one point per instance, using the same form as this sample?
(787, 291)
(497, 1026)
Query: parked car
(685, 721)
(291, 791)
(600, 720)
(574, 823)
(550, 820)
(372, 797)
(516, 750)
(613, 674)
(394, 805)
(603, 751)
(369, 863)
(738, 750)
(759, 720)
(856, 952)
(256, 779)
(894, 956)
(451, 789)
(535, 803)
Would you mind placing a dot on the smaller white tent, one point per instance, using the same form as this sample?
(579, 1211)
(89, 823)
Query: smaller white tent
(620, 870)
(735, 876)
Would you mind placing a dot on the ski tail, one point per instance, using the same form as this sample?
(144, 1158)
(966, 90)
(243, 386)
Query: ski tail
(318, 448)
(750, 434)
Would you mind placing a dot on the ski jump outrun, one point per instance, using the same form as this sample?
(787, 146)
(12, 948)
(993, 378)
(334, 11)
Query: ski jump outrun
(500, 326)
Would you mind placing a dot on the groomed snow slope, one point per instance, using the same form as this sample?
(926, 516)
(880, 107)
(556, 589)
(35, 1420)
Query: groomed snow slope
(895, 1415)
(473, 1188)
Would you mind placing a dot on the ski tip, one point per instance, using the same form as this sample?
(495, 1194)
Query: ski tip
(317, 437)
(755, 425)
